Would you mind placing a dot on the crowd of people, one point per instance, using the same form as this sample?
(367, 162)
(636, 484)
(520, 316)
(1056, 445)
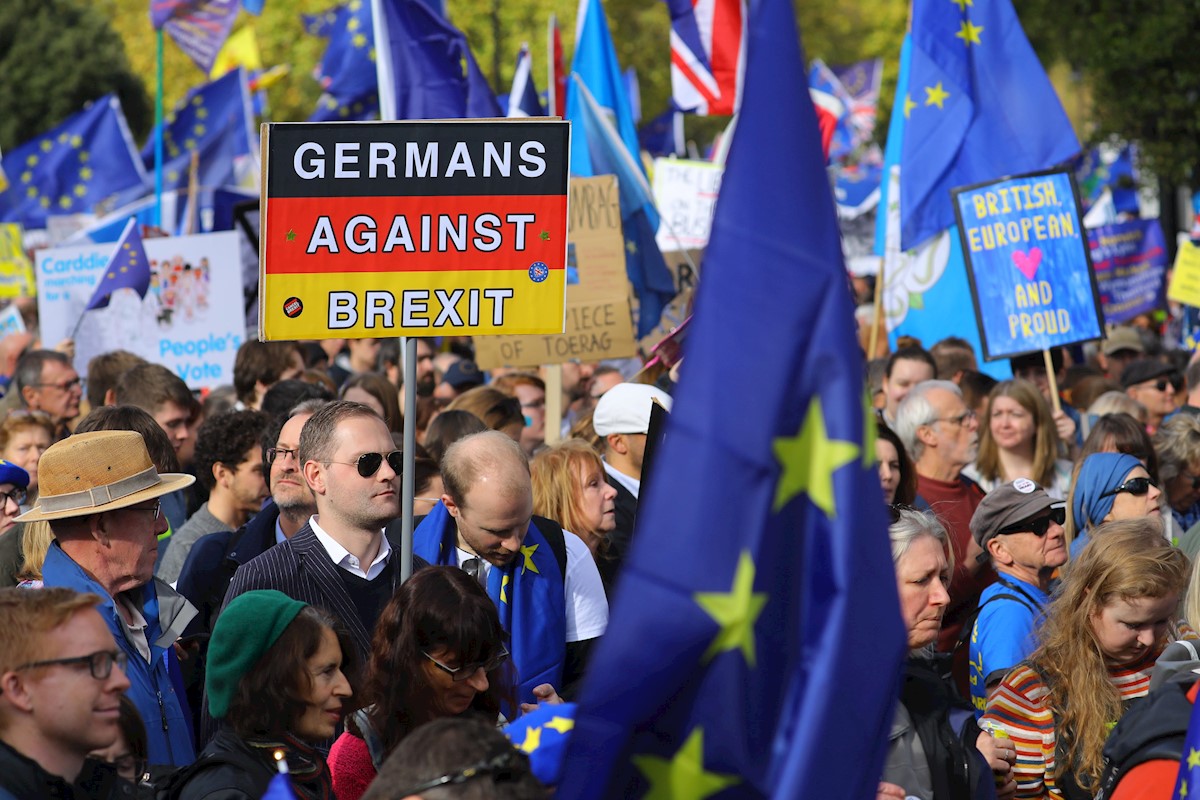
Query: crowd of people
(205, 591)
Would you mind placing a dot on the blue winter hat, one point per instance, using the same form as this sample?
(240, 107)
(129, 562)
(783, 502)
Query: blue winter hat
(1100, 474)
(11, 473)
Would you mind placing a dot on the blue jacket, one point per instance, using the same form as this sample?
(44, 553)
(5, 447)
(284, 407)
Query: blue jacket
(152, 689)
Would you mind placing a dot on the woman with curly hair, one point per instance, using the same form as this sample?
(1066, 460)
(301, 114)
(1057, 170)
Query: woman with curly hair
(438, 651)
(1112, 617)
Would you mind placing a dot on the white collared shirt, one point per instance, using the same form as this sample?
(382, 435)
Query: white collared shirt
(347, 561)
(632, 484)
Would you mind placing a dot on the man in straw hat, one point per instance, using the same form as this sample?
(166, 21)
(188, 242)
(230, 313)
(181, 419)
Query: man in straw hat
(99, 491)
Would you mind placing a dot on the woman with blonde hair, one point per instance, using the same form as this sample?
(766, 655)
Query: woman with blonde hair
(24, 436)
(1110, 620)
(569, 487)
(1017, 439)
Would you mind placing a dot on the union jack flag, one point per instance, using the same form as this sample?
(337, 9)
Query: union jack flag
(708, 54)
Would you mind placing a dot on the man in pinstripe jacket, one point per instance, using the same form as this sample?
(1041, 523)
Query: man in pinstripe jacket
(340, 561)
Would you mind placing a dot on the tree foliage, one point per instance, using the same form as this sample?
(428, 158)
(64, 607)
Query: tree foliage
(1141, 67)
(55, 56)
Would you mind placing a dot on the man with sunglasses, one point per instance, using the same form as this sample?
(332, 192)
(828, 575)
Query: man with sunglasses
(61, 680)
(1148, 381)
(340, 560)
(101, 494)
(1020, 528)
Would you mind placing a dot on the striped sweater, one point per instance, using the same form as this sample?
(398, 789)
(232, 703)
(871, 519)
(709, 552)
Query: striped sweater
(1019, 705)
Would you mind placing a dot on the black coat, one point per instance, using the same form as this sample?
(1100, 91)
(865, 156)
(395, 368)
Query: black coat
(23, 779)
(234, 772)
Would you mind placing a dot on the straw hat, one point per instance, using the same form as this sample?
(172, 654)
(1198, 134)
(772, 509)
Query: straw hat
(90, 473)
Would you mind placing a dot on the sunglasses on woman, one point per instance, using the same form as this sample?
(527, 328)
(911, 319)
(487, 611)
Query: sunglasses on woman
(1135, 486)
(368, 463)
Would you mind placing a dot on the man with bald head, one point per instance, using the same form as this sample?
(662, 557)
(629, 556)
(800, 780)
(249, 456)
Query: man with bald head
(543, 579)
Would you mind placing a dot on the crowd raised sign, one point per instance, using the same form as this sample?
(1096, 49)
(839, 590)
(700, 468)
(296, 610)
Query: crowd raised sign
(1028, 264)
(413, 228)
(1130, 259)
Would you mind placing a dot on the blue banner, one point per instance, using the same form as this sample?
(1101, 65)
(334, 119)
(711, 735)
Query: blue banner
(1028, 264)
(1130, 260)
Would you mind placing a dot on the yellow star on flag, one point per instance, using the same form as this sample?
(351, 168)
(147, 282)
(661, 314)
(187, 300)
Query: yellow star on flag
(76, 141)
(809, 460)
(359, 40)
(85, 174)
(560, 724)
(935, 95)
(201, 113)
(31, 160)
(197, 100)
(962, 4)
(111, 275)
(26, 176)
(46, 145)
(683, 777)
(1193, 758)
(352, 24)
(504, 589)
(735, 611)
(83, 159)
(1183, 788)
(528, 551)
(969, 33)
(80, 190)
(124, 269)
(909, 105)
(31, 191)
(533, 740)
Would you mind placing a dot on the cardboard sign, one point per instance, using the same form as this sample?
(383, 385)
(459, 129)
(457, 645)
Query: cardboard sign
(1130, 259)
(1028, 264)
(413, 228)
(686, 194)
(16, 271)
(599, 324)
(1185, 276)
(191, 320)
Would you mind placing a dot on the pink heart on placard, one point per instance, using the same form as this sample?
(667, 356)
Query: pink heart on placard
(1027, 263)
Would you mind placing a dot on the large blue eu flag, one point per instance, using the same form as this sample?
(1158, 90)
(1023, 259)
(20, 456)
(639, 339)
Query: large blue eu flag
(979, 107)
(350, 90)
(71, 168)
(755, 645)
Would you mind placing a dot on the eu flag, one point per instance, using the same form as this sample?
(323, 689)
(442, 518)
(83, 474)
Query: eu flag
(71, 168)
(199, 27)
(523, 96)
(595, 62)
(644, 263)
(428, 70)
(128, 268)
(754, 647)
(347, 70)
(979, 107)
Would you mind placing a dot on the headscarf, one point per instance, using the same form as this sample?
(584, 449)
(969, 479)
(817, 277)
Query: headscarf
(1100, 474)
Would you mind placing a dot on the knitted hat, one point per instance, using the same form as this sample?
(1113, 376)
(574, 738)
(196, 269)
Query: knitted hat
(247, 628)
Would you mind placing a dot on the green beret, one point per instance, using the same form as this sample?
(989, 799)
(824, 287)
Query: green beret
(246, 629)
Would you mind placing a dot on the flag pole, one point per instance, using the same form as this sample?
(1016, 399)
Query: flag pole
(552, 109)
(158, 132)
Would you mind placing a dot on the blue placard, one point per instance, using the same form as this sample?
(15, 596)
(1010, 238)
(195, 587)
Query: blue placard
(1130, 260)
(1028, 264)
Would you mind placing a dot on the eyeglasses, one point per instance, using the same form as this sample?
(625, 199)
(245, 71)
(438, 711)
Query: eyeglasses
(1162, 384)
(368, 463)
(467, 670)
(1135, 486)
(155, 509)
(506, 766)
(959, 419)
(63, 386)
(275, 452)
(100, 663)
(1037, 526)
(18, 496)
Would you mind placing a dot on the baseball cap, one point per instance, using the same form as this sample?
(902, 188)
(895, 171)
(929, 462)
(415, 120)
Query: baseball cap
(625, 408)
(1122, 337)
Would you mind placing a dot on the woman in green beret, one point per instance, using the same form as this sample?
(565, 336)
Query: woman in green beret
(275, 682)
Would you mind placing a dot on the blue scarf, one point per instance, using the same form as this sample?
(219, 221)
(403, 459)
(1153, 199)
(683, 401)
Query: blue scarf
(528, 593)
(1100, 473)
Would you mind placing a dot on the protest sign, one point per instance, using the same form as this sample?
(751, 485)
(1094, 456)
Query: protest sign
(1028, 264)
(1130, 261)
(16, 271)
(686, 194)
(1185, 276)
(413, 228)
(191, 320)
(598, 320)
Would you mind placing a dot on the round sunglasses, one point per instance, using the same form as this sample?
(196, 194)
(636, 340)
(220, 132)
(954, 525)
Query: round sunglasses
(368, 463)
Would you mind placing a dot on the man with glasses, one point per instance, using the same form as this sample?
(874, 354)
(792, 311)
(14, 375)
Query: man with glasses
(101, 495)
(340, 560)
(45, 381)
(1020, 528)
(942, 437)
(1148, 381)
(61, 680)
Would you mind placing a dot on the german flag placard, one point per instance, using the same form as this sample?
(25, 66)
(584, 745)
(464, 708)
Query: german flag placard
(413, 228)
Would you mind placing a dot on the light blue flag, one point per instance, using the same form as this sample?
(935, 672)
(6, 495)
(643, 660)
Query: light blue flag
(595, 63)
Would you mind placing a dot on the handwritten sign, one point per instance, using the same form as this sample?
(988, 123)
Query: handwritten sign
(1185, 277)
(598, 322)
(686, 194)
(1130, 261)
(415, 227)
(1028, 264)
